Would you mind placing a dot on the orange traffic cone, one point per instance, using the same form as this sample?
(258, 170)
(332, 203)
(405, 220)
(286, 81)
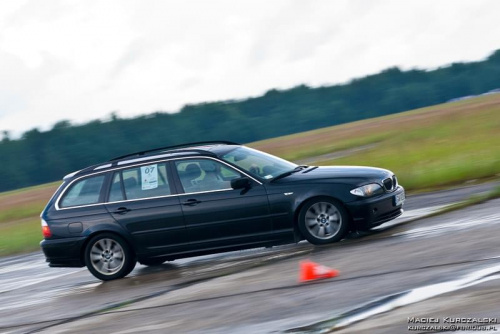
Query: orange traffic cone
(312, 271)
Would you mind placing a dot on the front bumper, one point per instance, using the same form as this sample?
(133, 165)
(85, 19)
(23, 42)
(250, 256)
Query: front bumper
(63, 252)
(370, 212)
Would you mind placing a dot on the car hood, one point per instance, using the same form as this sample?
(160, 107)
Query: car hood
(338, 173)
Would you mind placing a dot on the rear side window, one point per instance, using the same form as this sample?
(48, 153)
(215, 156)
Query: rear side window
(116, 193)
(83, 192)
(140, 182)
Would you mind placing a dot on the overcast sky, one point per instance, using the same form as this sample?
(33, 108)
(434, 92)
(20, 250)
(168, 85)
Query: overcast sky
(81, 60)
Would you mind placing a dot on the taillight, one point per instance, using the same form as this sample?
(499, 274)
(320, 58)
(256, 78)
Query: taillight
(45, 229)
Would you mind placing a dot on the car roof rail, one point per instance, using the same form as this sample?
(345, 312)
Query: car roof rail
(187, 145)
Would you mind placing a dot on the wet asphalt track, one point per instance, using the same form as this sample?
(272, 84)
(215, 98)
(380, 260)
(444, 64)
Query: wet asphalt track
(256, 291)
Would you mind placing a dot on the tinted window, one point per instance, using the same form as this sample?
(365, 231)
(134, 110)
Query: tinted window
(204, 175)
(140, 182)
(83, 192)
(258, 163)
(116, 194)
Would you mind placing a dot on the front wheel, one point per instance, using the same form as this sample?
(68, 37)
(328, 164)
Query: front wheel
(109, 257)
(322, 221)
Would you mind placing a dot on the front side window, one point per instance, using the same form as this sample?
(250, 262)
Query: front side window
(140, 182)
(199, 175)
(83, 192)
(258, 163)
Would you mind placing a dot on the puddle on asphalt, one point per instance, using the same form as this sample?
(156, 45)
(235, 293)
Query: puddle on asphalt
(42, 297)
(391, 302)
(410, 215)
(454, 226)
(16, 283)
(406, 217)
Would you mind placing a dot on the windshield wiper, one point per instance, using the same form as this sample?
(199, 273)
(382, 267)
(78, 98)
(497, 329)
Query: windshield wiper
(310, 169)
(290, 172)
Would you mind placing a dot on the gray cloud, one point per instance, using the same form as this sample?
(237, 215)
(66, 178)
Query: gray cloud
(80, 60)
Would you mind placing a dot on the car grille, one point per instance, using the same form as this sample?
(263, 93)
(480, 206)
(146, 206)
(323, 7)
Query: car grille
(388, 216)
(390, 184)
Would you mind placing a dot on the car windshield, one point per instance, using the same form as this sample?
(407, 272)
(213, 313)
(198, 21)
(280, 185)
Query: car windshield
(258, 163)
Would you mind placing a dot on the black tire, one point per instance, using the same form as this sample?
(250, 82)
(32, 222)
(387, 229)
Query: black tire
(131, 266)
(152, 262)
(109, 257)
(323, 221)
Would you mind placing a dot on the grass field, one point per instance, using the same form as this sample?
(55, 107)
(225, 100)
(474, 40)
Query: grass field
(20, 229)
(433, 147)
(427, 148)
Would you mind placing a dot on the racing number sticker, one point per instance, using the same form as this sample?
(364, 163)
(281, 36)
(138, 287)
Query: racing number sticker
(149, 176)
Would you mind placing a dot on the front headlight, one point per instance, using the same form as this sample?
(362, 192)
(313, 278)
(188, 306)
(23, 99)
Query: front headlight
(368, 190)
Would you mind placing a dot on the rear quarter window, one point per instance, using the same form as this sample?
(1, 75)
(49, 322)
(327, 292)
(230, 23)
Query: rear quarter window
(83, 192)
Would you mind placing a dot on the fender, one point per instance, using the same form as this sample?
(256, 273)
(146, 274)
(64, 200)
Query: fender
(112, 227)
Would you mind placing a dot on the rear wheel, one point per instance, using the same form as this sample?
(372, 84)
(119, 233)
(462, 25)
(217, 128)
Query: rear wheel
(109, 257)
(323, 221)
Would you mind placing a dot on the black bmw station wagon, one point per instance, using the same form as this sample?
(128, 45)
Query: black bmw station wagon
(188, 200)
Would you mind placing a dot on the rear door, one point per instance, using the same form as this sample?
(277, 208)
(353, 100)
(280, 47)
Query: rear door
(143, 201)
(215, 214)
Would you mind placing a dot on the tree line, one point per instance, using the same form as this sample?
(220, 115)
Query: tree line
(39, 157)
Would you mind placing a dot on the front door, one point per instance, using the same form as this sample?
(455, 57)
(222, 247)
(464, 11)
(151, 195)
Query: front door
(215, 214)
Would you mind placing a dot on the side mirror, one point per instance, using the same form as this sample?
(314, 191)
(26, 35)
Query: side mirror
(240, 183)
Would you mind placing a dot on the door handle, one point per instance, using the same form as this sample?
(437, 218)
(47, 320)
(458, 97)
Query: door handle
(191, 202)
(121, 210)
